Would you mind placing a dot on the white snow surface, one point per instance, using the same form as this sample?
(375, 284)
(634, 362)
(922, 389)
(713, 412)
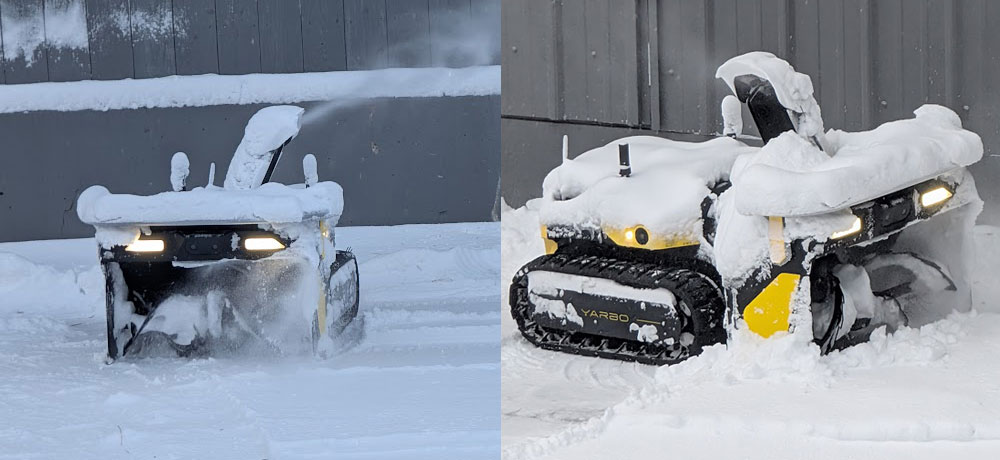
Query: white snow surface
(209, 90)
(266, 130)
(271, 203)
(417, 377)
(789, 176)
(920, 393)
(664, 193)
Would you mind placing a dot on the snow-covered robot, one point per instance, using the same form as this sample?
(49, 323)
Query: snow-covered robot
(250, 265)
(657, 249)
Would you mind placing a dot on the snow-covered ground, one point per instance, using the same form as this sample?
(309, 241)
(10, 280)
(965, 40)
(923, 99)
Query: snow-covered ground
(422, 381)
(928, 393)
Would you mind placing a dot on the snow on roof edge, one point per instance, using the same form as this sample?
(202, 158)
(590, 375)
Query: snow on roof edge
(211, 89)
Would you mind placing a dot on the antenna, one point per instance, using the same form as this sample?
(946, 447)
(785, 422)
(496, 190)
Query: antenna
(565, 149)
(211, 174)
(623, 161)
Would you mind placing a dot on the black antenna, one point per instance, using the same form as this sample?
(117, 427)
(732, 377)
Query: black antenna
(623, 161)
(275, 154)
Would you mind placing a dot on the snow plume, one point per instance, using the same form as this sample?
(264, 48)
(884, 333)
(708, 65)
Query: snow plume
(466, 41)
(461, 42)
(63, 24)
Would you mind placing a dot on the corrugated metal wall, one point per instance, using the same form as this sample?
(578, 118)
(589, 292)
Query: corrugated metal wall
(650, 64)
(65, 40)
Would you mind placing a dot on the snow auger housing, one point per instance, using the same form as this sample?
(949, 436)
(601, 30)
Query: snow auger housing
(657, 248)
(215, 269)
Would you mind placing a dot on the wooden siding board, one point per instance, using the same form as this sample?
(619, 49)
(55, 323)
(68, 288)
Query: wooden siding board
(152, 38)
(109, 27)
(196, 46)
(66, 61)
(408, 27)
(323, 39)
(367, 40)
(280, 36)
(238, 36)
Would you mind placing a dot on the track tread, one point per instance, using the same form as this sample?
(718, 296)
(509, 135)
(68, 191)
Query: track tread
(695, 289)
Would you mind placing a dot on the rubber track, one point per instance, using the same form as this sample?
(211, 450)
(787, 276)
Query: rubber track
(695, 289)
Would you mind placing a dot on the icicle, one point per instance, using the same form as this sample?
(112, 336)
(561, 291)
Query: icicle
(309, 169)
(565, 150)
(179, 170)
(211, 175)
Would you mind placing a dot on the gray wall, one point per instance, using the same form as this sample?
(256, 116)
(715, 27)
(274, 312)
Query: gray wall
(402, 160)
(417, 160)
(648, 66)
(153, 38)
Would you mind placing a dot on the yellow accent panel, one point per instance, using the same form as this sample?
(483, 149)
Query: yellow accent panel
(550, 245)
(776, 236)
(768, 312)
(626, 237)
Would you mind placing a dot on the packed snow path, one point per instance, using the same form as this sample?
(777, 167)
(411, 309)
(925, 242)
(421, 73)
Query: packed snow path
(928, 393)
(421, 382)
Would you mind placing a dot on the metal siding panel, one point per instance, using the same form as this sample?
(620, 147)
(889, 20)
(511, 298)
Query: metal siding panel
(831, 52)
(24, 59)
(693, 71)
(938, 29)
(409, 33)
(280, 36)
(887, 60)
(66, 63)
(725, 45)
(323, 40)
(367, 41)
(196, 46)
(110, 32)
(984, 114)
(238, 36)
(856, 60)
(624, 64)
(774, 26)
(671, 45)
(447, 18)
(748, 29)
(598, 60)
(643, 63)
(655, 101)
(805, 56)
(913, 51)
(529, 46)
(152, 38)
(575, 61)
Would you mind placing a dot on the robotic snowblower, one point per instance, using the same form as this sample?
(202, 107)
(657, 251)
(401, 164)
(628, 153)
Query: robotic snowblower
(657, 249)
(247, 266)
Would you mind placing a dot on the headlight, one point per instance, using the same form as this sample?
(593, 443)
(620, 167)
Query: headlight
(145, 246)
(855, 228)
(262, 244)
(935, 196)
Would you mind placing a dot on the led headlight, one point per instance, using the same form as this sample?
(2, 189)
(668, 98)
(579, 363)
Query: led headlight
(262, 244)
(145, 246)
(854, 228)
(935, 196)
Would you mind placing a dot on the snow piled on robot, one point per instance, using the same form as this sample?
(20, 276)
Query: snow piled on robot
(664, 192)
(267, 130)
(860, 166)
